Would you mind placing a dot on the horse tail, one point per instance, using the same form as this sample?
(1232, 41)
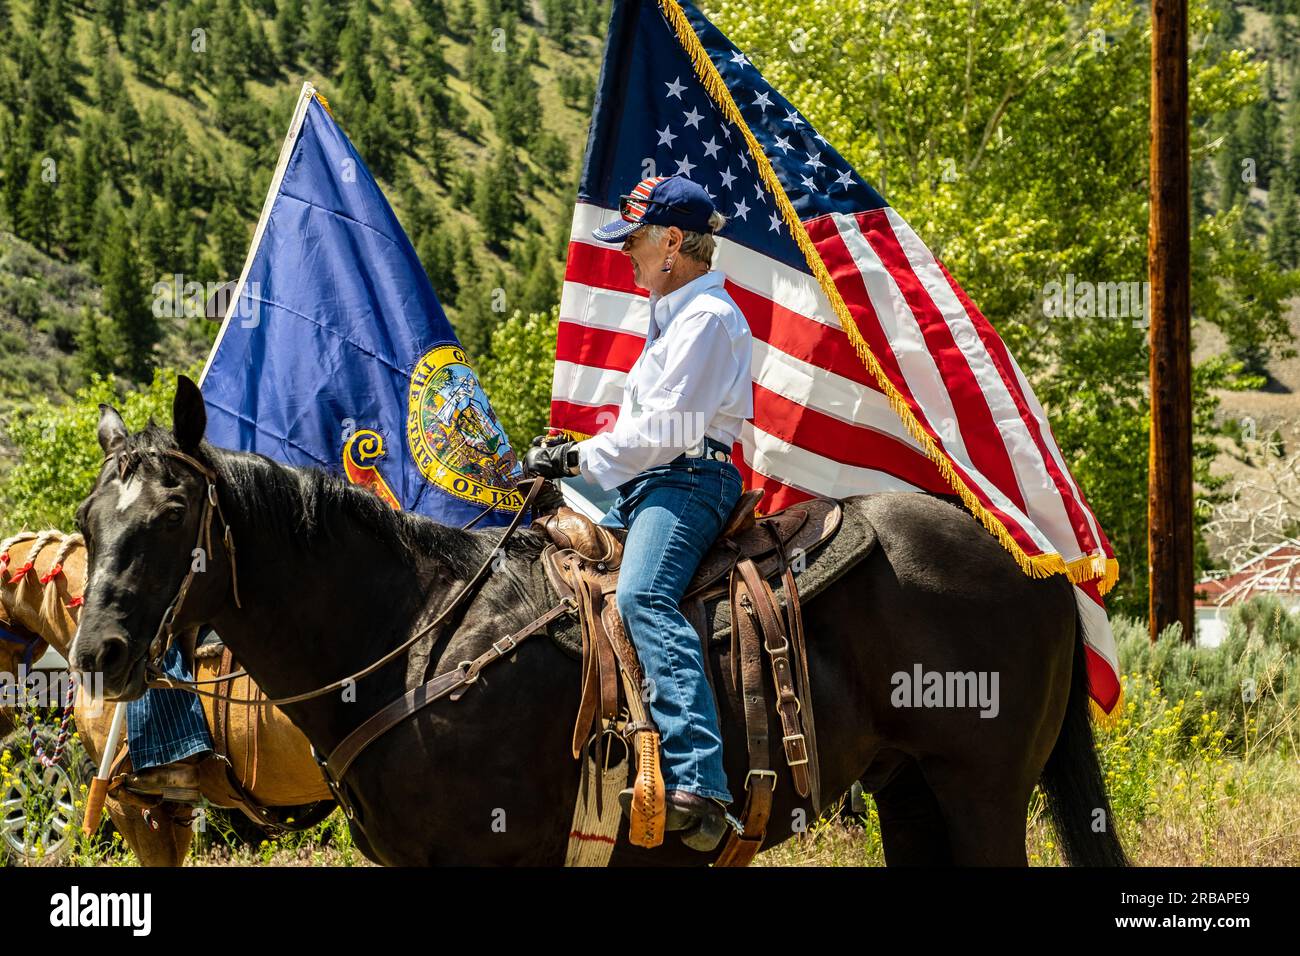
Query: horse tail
(1072, 780)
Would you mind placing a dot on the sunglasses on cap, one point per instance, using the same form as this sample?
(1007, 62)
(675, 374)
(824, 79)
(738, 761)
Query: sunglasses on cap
(625, 206)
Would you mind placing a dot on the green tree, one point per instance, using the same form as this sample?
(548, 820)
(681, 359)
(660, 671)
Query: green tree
(496, 203)
(1284, 230)
(552, 154)
(20, 149)
(517, 373)
(79, 189)
(433, 13)
(114, 13)
(230, 235)
(38, 210)
(58, 456)
(517, 111)
(540, 288)
(437, 252)
(322, 34)
(354, 47)
(1257, 127)
(560, 17)
(1009, 158)
(128, 302)
(289, 22)
(95, 349)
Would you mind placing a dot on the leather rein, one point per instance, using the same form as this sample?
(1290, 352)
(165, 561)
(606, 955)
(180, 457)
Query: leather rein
(165, 634)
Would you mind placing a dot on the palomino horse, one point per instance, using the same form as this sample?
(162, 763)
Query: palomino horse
(269, 755)
(327, 580)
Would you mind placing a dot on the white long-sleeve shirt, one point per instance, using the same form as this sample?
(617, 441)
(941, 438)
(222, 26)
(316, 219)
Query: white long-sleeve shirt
(691, 380)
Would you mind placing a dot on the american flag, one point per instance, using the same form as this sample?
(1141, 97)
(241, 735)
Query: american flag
(873, 370)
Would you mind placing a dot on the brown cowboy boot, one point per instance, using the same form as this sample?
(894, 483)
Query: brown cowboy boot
(700, 819)
(177, 781)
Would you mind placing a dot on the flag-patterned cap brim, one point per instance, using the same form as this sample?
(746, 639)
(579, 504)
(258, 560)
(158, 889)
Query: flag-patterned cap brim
(616, 231)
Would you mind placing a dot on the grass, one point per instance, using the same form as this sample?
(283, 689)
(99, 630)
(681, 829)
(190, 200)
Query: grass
(1177, 804)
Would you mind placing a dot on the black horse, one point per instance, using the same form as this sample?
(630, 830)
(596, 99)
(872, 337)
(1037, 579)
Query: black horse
(330, 579)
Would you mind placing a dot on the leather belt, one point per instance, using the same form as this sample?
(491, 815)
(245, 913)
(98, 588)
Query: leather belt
(711, 449)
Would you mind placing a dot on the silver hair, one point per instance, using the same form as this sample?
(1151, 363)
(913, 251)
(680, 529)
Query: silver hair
(699, 246)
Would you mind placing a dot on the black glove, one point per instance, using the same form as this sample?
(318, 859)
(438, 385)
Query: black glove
(552, 461)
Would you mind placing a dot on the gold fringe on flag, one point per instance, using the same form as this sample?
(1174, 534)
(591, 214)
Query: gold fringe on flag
(1080, 569)
(1103, 719)
(320, 98)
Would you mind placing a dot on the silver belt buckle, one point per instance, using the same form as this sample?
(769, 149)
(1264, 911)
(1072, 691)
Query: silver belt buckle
(695, 451)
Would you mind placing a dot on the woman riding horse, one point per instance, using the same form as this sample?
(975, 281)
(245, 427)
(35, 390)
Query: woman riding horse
(669, 456)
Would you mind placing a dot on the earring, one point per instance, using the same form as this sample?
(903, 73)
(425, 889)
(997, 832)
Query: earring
(668, 265)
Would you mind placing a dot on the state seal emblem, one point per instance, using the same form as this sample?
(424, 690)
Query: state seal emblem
(454, 437)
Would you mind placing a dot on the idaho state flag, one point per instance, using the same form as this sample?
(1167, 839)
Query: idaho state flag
(335, 351)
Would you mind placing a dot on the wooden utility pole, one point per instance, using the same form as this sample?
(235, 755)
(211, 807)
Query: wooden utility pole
(1169, 493)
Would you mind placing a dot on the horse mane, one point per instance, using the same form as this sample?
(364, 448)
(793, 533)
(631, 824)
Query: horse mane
(308, 505)
(31, 599)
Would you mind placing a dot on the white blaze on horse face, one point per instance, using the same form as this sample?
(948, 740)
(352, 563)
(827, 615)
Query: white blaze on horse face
(128, 492)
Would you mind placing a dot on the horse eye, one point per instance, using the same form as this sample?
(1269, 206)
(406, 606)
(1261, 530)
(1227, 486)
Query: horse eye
(174, 516)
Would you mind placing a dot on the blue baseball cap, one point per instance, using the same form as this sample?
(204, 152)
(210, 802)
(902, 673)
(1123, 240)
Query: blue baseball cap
(660, 201)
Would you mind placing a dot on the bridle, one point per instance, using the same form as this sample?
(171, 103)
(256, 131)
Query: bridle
(165, 634)
(452, 683)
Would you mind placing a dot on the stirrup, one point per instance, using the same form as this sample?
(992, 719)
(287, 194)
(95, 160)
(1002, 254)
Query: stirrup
(707, 833)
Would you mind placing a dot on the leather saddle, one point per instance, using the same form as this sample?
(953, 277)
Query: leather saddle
(245, 739)
(582, 563)
(801, 529)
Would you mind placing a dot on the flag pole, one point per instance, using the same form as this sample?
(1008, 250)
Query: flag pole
(305, 96)
(1169, 492)
(99, 785)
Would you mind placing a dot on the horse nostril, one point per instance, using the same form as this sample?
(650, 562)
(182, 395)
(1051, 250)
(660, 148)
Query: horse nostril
(108, 657)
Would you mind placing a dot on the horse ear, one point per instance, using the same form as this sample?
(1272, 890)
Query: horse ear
(219, 301)
(189, 417)
(112, 430)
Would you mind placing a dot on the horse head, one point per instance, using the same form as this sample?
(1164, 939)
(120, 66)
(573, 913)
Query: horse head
(148, 525)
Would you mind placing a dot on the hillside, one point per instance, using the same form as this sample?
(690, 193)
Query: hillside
(138, 140)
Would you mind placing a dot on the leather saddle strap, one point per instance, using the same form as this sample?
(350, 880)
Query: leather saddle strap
(794, 627)
(621, 647)
(649, 806)
(588, 613)
(234, 786)
(453, 682)
(760, 782)
(607, 676)
(222, 786)
(255, 717)
(221, 708)
(777, 645)
(606, 653)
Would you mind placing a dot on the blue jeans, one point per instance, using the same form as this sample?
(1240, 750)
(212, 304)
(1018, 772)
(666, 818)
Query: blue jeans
(166, 725)
(673, 513)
